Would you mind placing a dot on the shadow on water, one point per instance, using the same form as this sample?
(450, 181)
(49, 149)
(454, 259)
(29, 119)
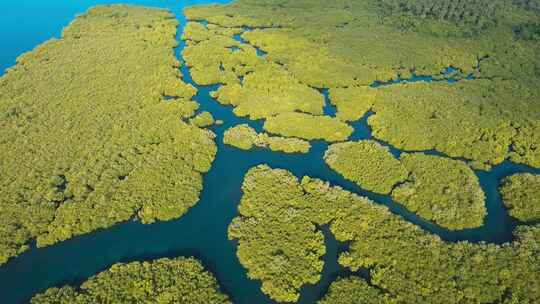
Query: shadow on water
(202, 232)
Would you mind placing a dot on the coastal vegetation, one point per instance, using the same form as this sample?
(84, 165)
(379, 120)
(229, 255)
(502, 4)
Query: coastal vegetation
(202, 120)
(521, 195)
(352, 103)
(278, 243)
(367, 163)
(353, 290)
(308, 127)
(245, 137)
(88, 138)
(438, 189)
(492, 108)
(442, 190)
(179, 280)
(474, 15)
(477, 120)
(268, 91)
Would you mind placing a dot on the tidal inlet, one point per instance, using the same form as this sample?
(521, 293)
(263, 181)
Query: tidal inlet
(270, 151)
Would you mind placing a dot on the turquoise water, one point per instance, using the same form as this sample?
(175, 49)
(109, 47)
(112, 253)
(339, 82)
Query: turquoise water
(202, 231)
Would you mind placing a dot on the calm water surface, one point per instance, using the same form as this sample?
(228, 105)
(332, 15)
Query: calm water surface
(202, 232)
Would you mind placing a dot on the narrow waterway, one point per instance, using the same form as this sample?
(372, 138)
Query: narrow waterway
(202, 232)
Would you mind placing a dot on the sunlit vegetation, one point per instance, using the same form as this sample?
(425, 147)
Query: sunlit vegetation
(88, 138)
(533, 5)
(348, 45)
(180, 280)
(521, 195)
(474, 15)
(255, 87)
(279, 244)
(355, 291)
(438, 189)
(477, 120)
(246, 138)
(352, 103)
(270, 90)
(308, 127)
(287, 144)
(203, 120)
(442, 190)
(368, 164)
(528, 31)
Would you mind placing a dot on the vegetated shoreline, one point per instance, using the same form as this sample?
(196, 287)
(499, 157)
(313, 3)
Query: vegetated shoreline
(250, 122)
(450, 76)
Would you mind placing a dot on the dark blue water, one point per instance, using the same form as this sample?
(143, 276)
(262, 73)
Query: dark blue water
(202, 232)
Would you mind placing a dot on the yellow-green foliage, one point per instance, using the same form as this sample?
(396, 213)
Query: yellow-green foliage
(241, 136)
(366, 163)
(416, 267)
(277, 243)
(526, 143)
(352, 103)
(245, 137)
(287, 145)
(197, 32)
(521, 195)
(439, 189)
(442, 190)
(354, 291)
(409, 264)
(308, 127)
(267, 88)
(203, 120)
(346, 42)
(270, 90)
(180, 280)
(346, 45)
(87, 139)
(477, 120)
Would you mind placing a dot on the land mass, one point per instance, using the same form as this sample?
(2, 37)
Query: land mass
(87, 139)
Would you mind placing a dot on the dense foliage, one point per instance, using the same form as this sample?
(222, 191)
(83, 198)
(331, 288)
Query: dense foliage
(354, 290)
(254, 86)
(478, 120)
(368, 164)
(202, 120)
(442, 190)
(87, 140)
(533, 5)
(308, 127)
(346, 46)
(477, 14)
(279, 244)
(245, 137)
(352, 103)
(270, 90)
(528, 31)
(438, 189)
(521, 195)
(180, 280)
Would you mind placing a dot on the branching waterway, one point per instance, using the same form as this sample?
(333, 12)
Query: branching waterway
(202, 232)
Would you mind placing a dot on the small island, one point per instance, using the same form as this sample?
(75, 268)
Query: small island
(179, 280)
(245, 137)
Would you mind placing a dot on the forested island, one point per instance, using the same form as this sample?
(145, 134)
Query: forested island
(105, 125)
(79, 154)
(281, 245)
(179, 280)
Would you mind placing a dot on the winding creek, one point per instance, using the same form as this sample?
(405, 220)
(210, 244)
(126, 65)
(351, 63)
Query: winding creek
(202, 232)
